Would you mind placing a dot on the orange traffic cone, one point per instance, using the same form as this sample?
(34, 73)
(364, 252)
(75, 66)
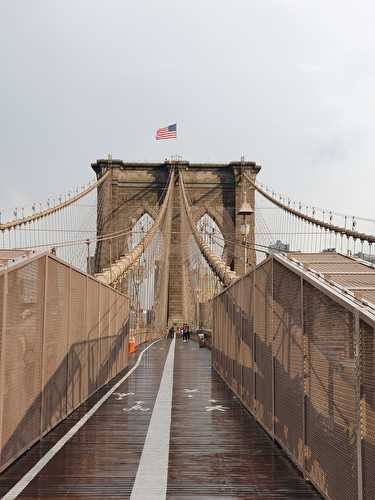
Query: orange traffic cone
(132, 345)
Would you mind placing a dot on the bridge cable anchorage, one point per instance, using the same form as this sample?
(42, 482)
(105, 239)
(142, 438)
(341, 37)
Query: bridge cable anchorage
(55, 209)
(112, 275)
(218, 266)
(343, 231)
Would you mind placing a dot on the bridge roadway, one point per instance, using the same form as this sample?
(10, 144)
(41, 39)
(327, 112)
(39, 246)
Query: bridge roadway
(172, 430)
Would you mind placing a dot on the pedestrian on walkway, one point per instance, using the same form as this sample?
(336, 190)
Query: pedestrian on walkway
(187, 331)
(171, 332)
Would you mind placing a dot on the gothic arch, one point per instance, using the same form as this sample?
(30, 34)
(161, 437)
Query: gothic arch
(224, 223)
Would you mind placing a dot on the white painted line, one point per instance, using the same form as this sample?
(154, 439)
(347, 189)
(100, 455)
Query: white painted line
(29, 476)
(152, 474)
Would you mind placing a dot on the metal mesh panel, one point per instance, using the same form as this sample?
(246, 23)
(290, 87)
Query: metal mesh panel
(368, 409)
(306, 373)
(55, 344)
(331, 401)
(215, 332)
(354, 280)
(22, 359)
(126, 331)
(333, 267)
(229, 337)
(288, 360)
(2, 306)
(231, 353)
(263, 343)
(205, 315)
(77, 358)
(49, 346)
(2, 326)
(232, 338)
(93, 339)
(370, 296)
(223, 331)
(2, 299)
(246, 348)
(218, 329)
(104, 334)
(120, 334)
(238, 313)
(116, 337)
(319, 257)
(113, 305)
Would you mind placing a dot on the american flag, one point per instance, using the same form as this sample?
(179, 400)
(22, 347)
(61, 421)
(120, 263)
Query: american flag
(169, 132)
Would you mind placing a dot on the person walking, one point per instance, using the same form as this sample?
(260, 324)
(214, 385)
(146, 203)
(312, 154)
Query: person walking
(187, 331)
(171, 332)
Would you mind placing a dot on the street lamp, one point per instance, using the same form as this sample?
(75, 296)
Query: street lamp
(245, 211)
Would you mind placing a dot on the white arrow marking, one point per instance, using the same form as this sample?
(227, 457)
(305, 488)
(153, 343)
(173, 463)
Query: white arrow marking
(217, 408)
(18, 488)
(122, 395)
(136, 407)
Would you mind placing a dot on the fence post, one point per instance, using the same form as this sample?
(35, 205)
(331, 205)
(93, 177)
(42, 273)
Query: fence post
(87, 337)
(358, 390)
(304, 379)
(254, 360)
(98, 376)
(110, 338)
(68, 347)
(42, 346)
(2, 353)
(273, 354)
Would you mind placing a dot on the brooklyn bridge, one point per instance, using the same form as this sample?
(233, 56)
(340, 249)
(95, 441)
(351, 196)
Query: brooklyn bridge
(273, 395)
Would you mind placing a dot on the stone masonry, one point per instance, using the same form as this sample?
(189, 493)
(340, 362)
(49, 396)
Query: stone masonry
(134, 188)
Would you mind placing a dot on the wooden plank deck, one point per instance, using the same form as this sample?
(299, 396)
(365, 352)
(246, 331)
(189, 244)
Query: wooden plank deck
(213, 453)
(101, 460)
(222, 454)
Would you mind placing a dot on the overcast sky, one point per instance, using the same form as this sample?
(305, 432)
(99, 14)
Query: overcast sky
(288, 83)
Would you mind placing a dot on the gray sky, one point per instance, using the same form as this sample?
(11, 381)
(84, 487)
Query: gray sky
(289, 83)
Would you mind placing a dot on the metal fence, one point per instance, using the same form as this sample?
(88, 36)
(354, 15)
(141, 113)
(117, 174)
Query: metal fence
(301, 357)
(62, 336)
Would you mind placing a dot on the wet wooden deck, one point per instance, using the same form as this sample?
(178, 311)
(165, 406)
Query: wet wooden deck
(216, 448)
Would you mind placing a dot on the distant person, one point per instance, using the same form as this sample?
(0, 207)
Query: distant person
(171, 332)
(184, 337)
(187, 330)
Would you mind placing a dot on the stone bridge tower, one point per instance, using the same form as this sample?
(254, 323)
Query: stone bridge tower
(135, 188)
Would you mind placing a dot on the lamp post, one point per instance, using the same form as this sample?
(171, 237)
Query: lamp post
(245, 211)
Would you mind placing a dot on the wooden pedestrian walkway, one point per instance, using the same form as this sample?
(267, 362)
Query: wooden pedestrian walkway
(216, 449)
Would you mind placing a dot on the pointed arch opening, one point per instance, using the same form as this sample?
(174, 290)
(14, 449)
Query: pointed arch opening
(211, 234)
(139, 229)
(142, 278)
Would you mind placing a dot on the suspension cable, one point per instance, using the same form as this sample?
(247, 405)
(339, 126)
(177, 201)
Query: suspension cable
(323, 225)
(219, 267)
(121, 266)
(56, 208)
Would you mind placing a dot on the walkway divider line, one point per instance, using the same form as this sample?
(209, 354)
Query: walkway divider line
(152, 474)
(29, 476)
